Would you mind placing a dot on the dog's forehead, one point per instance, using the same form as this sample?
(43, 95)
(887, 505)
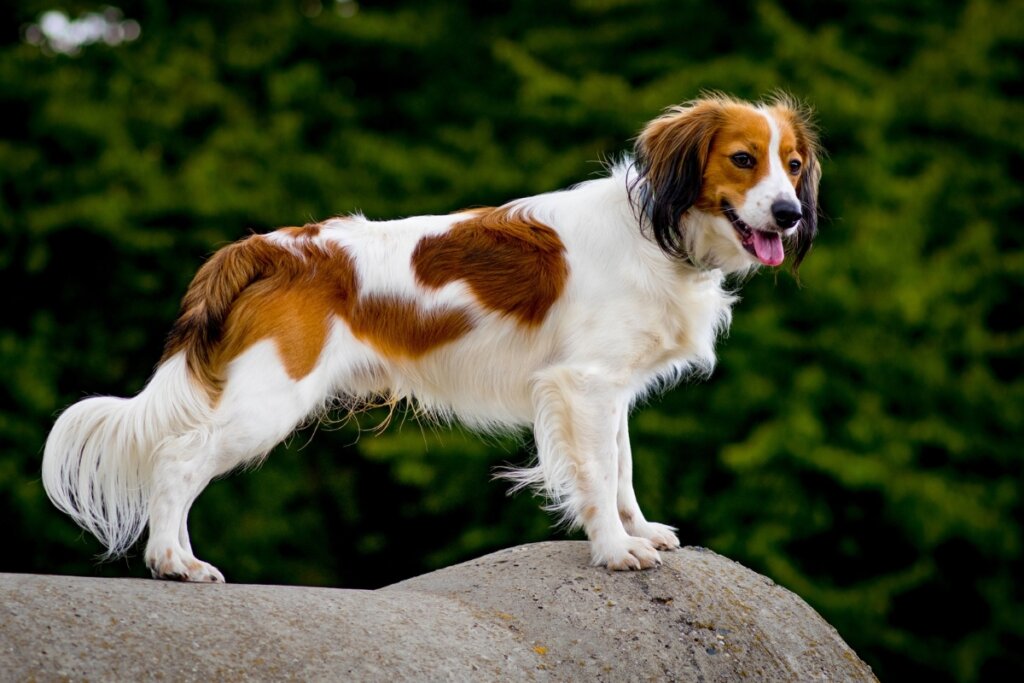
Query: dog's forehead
(744, 126)
(792, 129)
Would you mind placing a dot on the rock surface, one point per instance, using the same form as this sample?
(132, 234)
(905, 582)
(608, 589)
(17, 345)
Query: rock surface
(531, 613)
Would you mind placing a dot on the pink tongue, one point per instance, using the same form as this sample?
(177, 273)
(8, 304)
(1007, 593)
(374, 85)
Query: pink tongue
(768, 247)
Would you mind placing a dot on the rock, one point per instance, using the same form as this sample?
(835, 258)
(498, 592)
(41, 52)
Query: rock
(536, 612)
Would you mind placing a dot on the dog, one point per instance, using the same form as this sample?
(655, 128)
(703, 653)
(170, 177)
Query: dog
(557, 312)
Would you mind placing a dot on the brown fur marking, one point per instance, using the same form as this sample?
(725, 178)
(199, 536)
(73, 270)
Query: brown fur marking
(668, 139)
(255, 289)
(400, 328)
(296, 316)
(740, 129)
(795, 119)
(307, 231)
(719, 126)
(209, 300)
(512, 264)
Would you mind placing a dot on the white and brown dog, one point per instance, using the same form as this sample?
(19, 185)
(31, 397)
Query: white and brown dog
(557, 311)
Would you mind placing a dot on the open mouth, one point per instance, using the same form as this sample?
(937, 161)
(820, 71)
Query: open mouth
(765, 245)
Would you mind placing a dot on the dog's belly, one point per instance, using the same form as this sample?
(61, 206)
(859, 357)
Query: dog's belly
(482, 379)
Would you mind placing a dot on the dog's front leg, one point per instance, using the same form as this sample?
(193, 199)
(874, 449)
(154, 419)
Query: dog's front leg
(661, 535)
(577, 418)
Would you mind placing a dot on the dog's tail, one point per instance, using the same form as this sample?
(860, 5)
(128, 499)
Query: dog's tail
(99, 456)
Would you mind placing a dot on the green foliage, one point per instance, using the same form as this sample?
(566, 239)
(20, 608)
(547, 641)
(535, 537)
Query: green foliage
(861, 439)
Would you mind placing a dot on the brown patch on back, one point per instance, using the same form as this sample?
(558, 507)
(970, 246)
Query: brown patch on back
(400, 328)
(740, 129)
(307, 231)
(255, 290)
(290, 307)
(512, 264)
(209, 301)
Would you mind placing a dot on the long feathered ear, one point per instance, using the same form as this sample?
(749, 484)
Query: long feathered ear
(669, 158)
(807, 188)
(807, 193)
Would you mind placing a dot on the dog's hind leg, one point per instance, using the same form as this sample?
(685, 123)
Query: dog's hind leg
(259, 407)
(183, 467)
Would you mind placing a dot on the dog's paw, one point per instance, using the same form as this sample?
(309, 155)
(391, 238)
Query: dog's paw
(178, 566)
(662, 536)
(627, 552)
(203, 572)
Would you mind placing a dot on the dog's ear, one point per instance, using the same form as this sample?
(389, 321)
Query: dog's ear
(669, 157)
(807, 188)
(807, 193)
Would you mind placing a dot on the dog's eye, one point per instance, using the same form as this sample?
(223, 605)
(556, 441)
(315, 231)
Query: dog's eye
(794, 166)
(743, 160)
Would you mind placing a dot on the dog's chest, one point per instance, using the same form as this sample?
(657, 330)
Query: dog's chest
(680, 331)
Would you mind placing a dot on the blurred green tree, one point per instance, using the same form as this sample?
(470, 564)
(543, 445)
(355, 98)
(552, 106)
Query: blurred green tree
(861, 440)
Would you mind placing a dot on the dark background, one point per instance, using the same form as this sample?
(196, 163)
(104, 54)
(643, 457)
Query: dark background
(861, 440)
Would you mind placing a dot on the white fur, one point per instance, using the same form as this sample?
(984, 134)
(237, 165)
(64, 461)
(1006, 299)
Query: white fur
(630, 320)
(777, 185)
(99, 456)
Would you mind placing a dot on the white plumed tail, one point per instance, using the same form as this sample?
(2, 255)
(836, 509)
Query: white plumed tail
(98, 461)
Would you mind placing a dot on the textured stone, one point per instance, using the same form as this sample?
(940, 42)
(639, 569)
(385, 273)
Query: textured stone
(535, 612)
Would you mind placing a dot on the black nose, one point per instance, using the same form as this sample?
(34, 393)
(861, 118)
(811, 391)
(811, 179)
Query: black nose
(786, 213)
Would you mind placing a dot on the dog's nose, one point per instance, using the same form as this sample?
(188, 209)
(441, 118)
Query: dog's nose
(786, 213)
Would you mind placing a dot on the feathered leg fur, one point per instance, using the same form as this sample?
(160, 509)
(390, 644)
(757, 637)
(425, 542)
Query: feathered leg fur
(578, 418)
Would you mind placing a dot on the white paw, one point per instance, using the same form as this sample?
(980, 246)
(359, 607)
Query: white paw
(625, 552)
(662, 536)
(174, 564)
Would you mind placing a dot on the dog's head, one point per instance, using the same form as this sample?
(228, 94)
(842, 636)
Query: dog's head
(726, 184)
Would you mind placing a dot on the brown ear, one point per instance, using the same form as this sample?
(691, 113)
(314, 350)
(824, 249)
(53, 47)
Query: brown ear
(669, 157)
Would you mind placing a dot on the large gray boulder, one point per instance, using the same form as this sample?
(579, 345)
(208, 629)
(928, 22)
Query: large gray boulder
(536, 612)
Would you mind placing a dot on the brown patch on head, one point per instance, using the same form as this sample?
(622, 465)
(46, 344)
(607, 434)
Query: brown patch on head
(742, 130)
(679, 138)
(670, 158)
(512, 264)
(799, 138)
(791, 148)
